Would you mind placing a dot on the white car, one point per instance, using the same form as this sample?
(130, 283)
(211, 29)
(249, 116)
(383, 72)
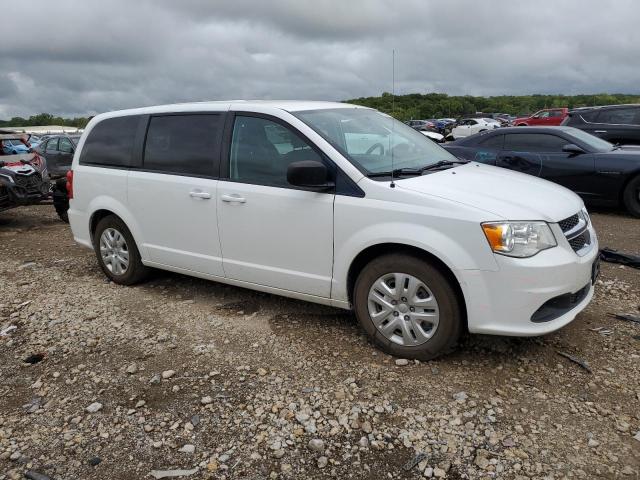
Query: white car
(284, 197)
(435, 136)
(470, 126)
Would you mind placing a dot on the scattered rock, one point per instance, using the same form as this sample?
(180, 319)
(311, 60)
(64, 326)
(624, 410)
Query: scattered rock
(188, 448)
(401, 362)
(316, 445)
(168, 374)
(322, 462)
(206, 400)
(94, 407)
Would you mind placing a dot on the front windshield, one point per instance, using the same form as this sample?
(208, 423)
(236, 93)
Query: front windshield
(370, 139)
(596, 143)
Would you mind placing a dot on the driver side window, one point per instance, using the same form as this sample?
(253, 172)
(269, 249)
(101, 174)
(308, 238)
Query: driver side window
(262, 150)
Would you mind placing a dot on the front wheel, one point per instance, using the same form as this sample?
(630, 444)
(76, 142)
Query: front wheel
(631, 197)
(408, 307)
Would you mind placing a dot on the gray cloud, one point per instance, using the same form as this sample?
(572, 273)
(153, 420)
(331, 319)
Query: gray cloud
(83, 57)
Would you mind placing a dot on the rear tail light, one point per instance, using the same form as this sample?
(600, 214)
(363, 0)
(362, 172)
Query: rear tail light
(70, 184)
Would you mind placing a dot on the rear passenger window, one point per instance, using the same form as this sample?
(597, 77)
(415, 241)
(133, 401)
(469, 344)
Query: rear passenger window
(110, 142)
(534, 142)
(52, 146)
(261, 151)
(183, 144)
(618, 115)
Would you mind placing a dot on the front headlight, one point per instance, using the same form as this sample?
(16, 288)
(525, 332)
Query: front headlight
(519, 239)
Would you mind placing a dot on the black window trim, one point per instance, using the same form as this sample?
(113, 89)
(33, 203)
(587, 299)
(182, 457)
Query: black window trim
(143, 130)
(349, 189)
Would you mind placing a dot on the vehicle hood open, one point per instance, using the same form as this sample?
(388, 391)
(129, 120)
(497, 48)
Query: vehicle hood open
(506, 194)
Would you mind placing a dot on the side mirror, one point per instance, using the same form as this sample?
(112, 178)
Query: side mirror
(309, 174)
(573, 149)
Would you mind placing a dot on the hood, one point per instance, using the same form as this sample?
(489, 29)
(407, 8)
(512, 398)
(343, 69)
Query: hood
(505, 194)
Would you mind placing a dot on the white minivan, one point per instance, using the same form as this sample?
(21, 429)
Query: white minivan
(335, 204)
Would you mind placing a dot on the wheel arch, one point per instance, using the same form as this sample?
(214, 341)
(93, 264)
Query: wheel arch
(103, 211)
(377, 250)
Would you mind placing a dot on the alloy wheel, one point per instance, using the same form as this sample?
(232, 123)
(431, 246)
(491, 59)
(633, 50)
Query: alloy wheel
(114, 251)
(403, 309)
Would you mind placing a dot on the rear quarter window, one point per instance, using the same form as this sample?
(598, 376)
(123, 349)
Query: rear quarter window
(110, 142)
(622, 116)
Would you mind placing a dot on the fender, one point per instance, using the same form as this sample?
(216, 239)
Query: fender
(104, 202)
(422, 237)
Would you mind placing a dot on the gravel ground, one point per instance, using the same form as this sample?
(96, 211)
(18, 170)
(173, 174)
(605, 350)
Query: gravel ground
(181, 373)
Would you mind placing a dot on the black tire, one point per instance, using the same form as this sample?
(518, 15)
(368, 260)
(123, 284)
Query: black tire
(60, 200)
(135, 271)
(450, 324)
(631, 197)
(62, 213)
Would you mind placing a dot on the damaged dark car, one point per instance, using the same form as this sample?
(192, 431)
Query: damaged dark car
(24, 179)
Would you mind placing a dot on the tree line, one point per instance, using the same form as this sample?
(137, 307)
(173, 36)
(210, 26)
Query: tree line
(45, 119)
(415, 106)
(439, 105)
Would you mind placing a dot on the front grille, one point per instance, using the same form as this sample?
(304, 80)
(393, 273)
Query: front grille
(580, 241)
(31, 183)
(568, 223)
(576, 230)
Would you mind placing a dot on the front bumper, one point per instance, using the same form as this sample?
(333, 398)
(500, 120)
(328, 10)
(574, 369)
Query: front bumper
(514, 300)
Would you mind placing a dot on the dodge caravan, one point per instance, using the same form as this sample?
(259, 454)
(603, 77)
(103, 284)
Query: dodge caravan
(335, 204)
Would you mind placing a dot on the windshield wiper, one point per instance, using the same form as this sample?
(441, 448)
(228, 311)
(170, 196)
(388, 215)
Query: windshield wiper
(418, 171)
(443, 163)
(398, 172)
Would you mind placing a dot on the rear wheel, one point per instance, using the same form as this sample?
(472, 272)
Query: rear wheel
(117, 252)
(60, 199)
(631, 197)
(408, 307)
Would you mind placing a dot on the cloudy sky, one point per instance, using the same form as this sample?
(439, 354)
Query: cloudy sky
(79, 57)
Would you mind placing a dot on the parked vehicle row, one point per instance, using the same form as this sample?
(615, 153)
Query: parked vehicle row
(600, 172)
(333, 204)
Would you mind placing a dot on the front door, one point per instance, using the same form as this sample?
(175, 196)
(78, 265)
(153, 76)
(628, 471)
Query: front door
(173, 194)
(272, 233)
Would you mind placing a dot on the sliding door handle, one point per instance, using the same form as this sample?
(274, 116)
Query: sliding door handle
(233, 198)
(199, 194)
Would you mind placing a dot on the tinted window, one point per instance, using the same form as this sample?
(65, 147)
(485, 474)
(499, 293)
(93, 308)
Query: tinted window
(110, 142)
(52, 145)
(495, 142)
(65, 145)
(618, 115)
(534, 142)
(184, 144)
(590, 116)
(261, 151)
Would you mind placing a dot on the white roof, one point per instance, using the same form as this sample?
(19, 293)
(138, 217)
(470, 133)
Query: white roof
(287, 105)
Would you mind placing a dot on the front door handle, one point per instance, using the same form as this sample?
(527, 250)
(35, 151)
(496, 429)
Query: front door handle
(599, 131)
(233, 198)
(199, 194)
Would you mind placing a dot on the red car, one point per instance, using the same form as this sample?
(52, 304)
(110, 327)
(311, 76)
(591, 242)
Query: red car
(547, 118)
